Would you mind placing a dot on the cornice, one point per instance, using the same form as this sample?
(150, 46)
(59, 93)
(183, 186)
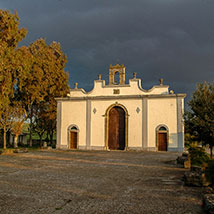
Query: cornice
(151, 96)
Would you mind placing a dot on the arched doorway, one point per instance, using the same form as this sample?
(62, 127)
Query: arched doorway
(73, 132)
(162, 138)
(116, 128)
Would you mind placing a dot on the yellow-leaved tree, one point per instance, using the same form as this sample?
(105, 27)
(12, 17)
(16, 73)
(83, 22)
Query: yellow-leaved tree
(31, 77)
(10, 36)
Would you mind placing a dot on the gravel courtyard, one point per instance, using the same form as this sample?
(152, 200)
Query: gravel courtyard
(94, 182)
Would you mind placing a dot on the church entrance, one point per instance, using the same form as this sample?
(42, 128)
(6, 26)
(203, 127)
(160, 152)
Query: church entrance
(162, 139)
(116, 130)
(73, 137)
(73, 140)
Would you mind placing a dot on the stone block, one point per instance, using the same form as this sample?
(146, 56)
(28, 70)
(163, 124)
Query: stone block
(184, 160)
(196, 178)
(185, 154)
(187, 164)
(181, 160)
(196, 169)
(208, 203)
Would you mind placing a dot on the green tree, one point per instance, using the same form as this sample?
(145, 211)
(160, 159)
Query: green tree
(199, 121)
(39, 125)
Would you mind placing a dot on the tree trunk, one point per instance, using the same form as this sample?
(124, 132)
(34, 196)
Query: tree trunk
(40, 136)
(16, 141)
(5, 143)
(11, 139)
(51, 137)
(47, 138)
(31, 127)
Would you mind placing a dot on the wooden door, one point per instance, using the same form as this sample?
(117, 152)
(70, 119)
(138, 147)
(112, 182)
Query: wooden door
(162, 141)
(73, 140)
(116, 135)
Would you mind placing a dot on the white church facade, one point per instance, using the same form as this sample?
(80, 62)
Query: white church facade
(120, 116)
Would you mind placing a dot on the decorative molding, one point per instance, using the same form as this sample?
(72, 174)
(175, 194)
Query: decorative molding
(116, 91)
(117, 86)
(138, 110)
(107, 124)
(75, 85)
(116, 69)
(153, 96)
(117, 66)
(94, 110)
(73, 125)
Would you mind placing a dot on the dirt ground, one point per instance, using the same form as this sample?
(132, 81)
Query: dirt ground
(94, 182)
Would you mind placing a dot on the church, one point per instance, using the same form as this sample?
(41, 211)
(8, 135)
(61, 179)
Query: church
(121, 116)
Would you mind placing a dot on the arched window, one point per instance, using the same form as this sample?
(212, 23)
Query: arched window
(162, 128)
(73, 128)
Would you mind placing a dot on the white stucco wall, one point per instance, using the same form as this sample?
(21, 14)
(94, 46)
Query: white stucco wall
(159, 111)
(88, 112)
(162, 111)
(98, 124)
(134, 121)
(73, 113)
(133, 88)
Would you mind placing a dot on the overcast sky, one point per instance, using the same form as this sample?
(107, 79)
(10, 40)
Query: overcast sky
(169, 39)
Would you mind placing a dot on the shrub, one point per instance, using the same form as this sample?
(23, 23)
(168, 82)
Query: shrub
(190, 141)
(210, 171)
(198, 156)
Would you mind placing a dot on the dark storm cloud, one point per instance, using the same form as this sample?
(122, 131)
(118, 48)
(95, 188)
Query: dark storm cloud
(173, 39)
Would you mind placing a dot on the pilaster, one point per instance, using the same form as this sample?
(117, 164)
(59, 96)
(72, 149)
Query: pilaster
(180, 123)
(59, 123)
(145, 122)
(88, 124)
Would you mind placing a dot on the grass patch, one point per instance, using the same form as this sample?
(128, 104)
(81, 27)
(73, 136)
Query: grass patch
(58, 208)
